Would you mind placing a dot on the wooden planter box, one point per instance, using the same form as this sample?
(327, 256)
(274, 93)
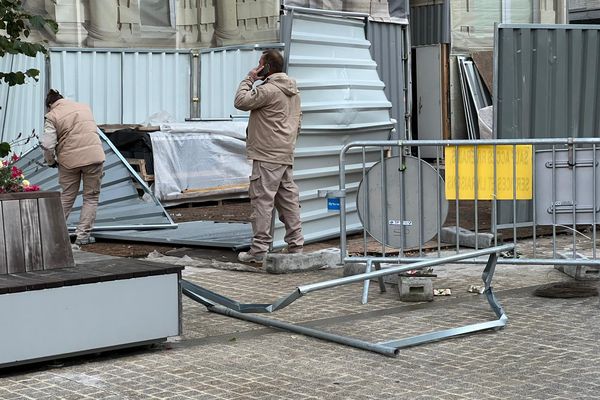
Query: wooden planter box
(34, 234)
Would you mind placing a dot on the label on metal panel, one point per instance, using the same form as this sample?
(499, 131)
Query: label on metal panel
(513, 170)
(399, 222)
(333, 204)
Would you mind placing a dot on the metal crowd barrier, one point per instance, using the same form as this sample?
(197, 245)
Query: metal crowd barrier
(540, 194)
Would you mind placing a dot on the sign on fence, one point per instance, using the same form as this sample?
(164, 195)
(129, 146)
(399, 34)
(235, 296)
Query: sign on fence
(511, 162)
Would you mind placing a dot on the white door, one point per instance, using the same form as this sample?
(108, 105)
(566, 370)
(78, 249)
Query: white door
(429, 96)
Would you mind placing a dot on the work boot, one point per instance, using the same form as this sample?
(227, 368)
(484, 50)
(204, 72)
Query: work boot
(248, 257)
(84, 241)
(293, 250)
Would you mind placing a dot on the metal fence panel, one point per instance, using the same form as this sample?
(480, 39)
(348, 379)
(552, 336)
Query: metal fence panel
(343, 99)
(91, 77)
(155, 82)
(124, 86)
(391, 51)
(22, 107)
(221, 71)
(120, 206)
(547, 81)
(407, 209)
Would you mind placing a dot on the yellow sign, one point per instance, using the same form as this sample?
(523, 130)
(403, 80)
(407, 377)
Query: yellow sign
(484, 187)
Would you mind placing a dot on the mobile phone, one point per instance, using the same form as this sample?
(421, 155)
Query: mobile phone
(263, 72)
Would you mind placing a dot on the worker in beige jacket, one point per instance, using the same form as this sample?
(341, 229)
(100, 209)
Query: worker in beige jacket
(71, 143)
(273, 127)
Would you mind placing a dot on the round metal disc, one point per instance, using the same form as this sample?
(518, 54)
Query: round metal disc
(397, 223)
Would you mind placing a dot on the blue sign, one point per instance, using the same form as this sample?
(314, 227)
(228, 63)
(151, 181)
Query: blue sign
(333, 204)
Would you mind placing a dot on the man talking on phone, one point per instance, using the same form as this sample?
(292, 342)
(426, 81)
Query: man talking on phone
(273, 127)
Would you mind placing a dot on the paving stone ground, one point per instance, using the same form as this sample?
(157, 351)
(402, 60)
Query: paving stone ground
(550, 348)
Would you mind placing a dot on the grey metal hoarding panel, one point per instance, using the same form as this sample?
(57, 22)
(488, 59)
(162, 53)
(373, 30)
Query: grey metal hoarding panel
(430, 24)
(343, 100)
(547, 82)
(546, 85)
(388, 49)
(120, 206)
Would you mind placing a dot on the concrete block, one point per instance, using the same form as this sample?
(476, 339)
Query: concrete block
(467, 238)
(415, 289)
(360, 268)
(285, 263)
(579, 272)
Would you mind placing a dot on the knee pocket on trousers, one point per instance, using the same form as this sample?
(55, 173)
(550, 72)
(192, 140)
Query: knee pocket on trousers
(254, 186)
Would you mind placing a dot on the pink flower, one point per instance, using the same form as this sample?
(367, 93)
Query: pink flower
(15, 172)
(15, 157)
(31, 188)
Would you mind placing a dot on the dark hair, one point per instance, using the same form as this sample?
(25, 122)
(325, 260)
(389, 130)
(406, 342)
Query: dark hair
(274, 59)
(52, 97)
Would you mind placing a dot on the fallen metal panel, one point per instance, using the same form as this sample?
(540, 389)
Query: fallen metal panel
(120, 206)
(221, 71)
(22, 106)
(389, 50)
(343, 100)
(198, 233)
(124, 86)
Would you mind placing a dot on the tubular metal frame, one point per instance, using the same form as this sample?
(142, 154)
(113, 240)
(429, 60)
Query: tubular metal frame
(222, 305)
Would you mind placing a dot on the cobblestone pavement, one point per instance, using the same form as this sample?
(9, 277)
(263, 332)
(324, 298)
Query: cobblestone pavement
(550, 348)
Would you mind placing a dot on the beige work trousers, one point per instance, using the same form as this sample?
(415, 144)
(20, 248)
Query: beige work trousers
(70, 180)
(272, 185)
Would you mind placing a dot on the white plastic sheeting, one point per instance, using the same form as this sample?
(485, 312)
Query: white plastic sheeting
(200, 159)
(22, 107)
(124, 86)
(221, 71)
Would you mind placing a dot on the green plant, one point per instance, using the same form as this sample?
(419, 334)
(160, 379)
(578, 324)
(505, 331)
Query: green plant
(16, 25)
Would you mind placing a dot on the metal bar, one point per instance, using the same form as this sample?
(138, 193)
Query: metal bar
(533, 199)
(314, 11)
(476, 187)
(342, 168)
(514, 199)
(495, 201)
(382, 287)
(456, 202)
(367, 221)
(477, 261)
(553, 201)
(439, 203)
(573, 151)
(462, 142)
(383, 205)
(365, 292)
(389, 351)
(435, 336)
(389, 271)
(419, 202)
(594, 188)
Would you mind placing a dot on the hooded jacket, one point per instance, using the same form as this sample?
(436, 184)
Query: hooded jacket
(274, 118)
(70, 133)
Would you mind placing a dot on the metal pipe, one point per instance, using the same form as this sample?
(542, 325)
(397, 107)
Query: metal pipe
(389, 351)
(393, 270)
(477, 261)
(321, 12)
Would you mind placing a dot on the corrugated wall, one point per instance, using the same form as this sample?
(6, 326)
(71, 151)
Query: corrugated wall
(388, 49)
(22, 107)
(343, 100)
(547, 82)
(124, 86)
(221, 71)
(430, 24)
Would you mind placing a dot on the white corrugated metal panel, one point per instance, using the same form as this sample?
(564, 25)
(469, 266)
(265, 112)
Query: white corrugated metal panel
(91, 77)
(343, 100)
(155, 82)
(124, 86)
(221, 71)
(120, 206)
(22, 105)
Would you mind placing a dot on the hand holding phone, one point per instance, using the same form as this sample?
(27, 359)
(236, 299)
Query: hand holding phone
(264, 71)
